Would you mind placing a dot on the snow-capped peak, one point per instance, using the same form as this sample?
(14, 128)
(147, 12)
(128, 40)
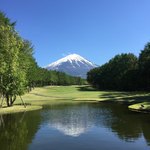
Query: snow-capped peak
(72, 64)
(70, 58)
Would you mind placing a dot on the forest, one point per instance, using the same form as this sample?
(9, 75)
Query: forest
(124, 72)
(19, 71)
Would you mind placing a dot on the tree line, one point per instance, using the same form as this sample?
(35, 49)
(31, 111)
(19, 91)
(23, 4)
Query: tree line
(123, 72)
(19, 71)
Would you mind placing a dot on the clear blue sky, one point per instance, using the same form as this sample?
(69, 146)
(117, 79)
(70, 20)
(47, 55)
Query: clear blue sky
(94, 29)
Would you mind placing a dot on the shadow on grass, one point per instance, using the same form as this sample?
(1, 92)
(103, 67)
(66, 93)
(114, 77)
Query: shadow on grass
(126, 97)
(86, 88)
(42, 95)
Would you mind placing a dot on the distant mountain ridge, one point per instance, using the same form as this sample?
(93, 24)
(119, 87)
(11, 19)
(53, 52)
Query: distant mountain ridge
(73, 64)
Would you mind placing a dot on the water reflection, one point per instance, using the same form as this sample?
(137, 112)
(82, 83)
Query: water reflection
(76, 126)
(71, 120)
(75, 120)
(17, 130)
(128, 126)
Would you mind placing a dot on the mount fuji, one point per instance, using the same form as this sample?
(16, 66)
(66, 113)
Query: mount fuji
(73, 64)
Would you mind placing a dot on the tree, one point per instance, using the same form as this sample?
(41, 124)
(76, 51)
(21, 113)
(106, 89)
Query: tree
(144, 68)
(15, 56)
(12, 77)
(110, 76)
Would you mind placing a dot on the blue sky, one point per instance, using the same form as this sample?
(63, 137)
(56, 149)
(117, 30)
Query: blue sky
(94, 29)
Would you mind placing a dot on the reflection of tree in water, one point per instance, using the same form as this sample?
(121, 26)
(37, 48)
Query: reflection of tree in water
(17, 130)
(127, 125)
(124, 124)
(146, 128)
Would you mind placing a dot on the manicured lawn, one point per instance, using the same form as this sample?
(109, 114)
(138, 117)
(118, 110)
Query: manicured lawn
(18, 108)
(60, 94)
(56, 94)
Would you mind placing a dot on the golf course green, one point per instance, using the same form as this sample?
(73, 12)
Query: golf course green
(69, 94)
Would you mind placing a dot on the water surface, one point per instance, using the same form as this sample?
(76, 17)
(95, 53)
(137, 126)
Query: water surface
(84, 126)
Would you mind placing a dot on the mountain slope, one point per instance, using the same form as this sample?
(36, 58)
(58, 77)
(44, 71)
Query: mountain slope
(73, 64)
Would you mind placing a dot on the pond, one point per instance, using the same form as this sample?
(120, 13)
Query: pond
(76, 126)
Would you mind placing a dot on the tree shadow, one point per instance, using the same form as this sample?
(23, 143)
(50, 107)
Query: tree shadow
(86, 88)
(126, 97)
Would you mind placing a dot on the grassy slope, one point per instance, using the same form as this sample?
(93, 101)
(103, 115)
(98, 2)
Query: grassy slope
(58, 94)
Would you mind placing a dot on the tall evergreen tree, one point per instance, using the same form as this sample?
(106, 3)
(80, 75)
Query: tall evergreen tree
(110, 76)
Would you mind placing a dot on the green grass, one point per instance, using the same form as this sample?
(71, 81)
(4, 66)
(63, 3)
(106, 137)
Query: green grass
(141, 107)
(60, 94)
(57, 94)
(18, 108)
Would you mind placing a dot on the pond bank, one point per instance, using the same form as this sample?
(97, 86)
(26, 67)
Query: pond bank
(140, 107)
(18, 108)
